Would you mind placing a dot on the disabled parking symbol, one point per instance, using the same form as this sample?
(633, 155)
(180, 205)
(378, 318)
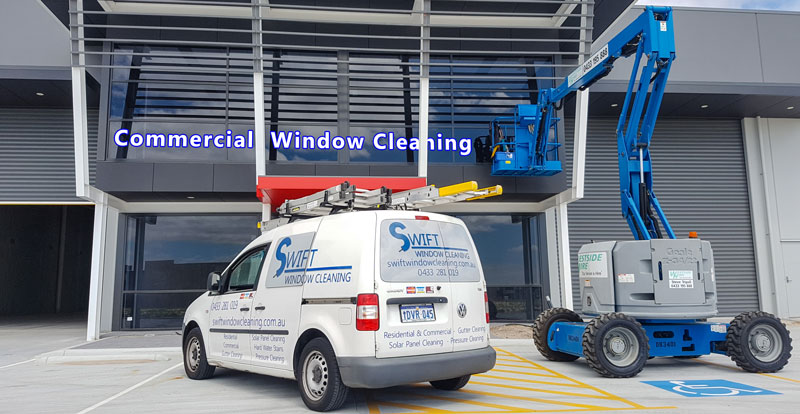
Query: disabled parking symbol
(709, 388)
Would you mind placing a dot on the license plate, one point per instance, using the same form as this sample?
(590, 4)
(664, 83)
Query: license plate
(417, 313)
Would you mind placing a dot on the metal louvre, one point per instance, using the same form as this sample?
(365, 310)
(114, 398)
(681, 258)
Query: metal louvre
(37, 162)
(700, 180)
(344, 66)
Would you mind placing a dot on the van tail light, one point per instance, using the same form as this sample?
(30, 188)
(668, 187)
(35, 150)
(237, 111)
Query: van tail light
(422, 218)
(367, 316)
(486, 305)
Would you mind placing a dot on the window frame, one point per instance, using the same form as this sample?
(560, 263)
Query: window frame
(226, 275)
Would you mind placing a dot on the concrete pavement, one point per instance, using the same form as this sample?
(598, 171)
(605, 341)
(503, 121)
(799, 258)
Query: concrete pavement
(522, 381)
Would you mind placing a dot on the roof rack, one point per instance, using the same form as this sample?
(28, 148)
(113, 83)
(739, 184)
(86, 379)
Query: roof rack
(346, 197)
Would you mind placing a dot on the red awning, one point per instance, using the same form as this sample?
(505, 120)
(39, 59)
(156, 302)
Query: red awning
(277, 189)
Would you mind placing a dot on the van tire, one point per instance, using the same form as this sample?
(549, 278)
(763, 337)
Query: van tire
(451, 384)
(195, 362)
(324, 390)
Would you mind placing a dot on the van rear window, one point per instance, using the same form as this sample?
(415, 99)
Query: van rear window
(426, 251)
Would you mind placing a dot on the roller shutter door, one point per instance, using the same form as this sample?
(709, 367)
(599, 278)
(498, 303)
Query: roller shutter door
(699, 178)
(37, 161)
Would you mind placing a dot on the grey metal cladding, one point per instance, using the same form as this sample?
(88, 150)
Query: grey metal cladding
(37, 157)
(699, 176)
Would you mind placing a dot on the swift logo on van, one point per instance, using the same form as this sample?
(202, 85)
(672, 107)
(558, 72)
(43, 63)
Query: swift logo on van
(292, 261)
(414, 240)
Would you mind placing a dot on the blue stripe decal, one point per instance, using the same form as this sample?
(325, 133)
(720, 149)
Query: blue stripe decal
(439, 248)
(313, 269)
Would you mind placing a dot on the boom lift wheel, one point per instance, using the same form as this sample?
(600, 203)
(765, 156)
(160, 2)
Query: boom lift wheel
(758, 342)
(615, 345)
(542, 326)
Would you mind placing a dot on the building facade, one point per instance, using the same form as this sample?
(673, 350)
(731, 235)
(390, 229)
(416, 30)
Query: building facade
(167, 213)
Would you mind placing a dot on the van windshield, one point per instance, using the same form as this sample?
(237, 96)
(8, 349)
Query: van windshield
(426, 251)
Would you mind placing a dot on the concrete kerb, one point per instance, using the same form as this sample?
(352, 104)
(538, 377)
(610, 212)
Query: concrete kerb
(115, 355)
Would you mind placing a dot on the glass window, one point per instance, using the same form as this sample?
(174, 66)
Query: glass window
(155, 310)
(245, 274)
(168, 259)
(426, 251)
(149, 95)
(511, 254)
(499, 242)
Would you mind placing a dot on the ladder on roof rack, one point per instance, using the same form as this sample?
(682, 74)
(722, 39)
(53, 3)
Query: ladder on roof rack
(346, 197)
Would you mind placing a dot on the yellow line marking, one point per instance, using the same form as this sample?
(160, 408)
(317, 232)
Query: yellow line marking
(529, 381)
(779, 377)
(534, 399)
(416, 408)
(737, 369)
(542, 390)
(519, 366)
(509, 371)
(464, 401)
(374, 405)
(606, 393)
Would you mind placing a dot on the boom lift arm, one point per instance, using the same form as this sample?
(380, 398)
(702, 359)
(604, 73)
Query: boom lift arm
(650, 36)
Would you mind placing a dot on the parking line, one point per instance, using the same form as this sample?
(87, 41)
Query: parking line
(534, 399)
(520, 366)
(509, 371)
(779, 377)
(527, 381)
(606, 393)
(496, 381)
(542, 390)
(17, 363)
(372, 405)
(509, 409)
(129, 389)
(737, 369)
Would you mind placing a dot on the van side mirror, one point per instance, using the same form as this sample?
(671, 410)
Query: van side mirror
(212, 285)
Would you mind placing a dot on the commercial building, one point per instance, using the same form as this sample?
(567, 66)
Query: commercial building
(166, 215)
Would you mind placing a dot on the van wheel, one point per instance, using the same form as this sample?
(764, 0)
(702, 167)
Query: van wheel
(319, 380)
(194, 357)
(451, 384)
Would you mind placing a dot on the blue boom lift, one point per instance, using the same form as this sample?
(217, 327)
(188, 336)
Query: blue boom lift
(649, 297)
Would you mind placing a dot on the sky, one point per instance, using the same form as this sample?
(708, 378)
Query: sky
(788, 5)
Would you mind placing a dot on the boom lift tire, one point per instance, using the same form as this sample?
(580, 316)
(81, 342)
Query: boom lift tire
(758, 342)
(542, 326)
(615, 345)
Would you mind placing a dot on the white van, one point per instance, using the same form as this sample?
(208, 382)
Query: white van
(364, 299)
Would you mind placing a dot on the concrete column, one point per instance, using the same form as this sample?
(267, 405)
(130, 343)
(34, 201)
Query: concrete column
(424, 84)
(564, 261)
(98, 265)
(764, 217)
(553, 267)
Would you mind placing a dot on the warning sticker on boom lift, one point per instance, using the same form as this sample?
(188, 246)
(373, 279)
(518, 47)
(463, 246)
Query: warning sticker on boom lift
(626, 278)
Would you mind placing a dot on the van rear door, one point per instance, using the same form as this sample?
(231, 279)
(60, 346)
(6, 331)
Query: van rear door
(427, 271)
(467, 289)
